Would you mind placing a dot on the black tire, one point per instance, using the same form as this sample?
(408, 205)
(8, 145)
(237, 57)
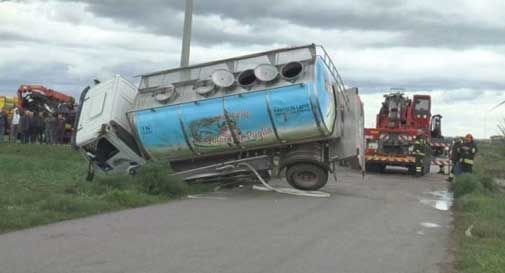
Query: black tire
(306, 176)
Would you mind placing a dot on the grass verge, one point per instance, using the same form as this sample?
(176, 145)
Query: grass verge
(480, 214)
(40, 184)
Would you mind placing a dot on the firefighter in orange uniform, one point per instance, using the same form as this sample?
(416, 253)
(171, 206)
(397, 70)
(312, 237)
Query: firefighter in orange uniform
(467, 152)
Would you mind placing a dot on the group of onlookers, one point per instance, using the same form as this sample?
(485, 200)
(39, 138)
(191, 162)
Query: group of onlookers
(32, 127)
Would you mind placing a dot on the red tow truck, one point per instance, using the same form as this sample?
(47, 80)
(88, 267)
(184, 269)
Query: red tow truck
(399, 121)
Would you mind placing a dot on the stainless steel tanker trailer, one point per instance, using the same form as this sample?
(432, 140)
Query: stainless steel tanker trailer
(284, 111)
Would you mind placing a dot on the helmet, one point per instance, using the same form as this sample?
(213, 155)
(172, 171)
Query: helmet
(469, 137)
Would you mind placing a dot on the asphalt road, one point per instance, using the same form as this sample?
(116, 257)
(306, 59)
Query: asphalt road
(386, 223)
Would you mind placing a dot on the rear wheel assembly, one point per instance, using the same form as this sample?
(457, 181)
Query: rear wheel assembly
(306, 176)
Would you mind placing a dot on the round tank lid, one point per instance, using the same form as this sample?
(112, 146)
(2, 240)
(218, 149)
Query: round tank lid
(165, 93)
(266, 72)
(204, 88)
(222, 78)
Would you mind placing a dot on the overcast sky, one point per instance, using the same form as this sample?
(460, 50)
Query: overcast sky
(453, 50)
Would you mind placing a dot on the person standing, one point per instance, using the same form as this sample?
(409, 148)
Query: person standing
(26, 127)
(60, 129)
(3, 124)
(16, 119)
(42, 129)
(454, 157)
(37, 128)
(467, 152)
(50, 128)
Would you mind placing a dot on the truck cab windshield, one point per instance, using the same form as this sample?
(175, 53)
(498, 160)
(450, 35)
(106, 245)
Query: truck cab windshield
(422, 106)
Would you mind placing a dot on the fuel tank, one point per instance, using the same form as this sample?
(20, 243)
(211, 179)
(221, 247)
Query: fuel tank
(236, 105)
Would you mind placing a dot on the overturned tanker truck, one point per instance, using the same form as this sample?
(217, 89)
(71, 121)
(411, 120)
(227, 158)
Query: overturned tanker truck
(283, 111)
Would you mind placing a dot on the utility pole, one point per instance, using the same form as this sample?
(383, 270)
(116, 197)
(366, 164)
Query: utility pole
(186, 37)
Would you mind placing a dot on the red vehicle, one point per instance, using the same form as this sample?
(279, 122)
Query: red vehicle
(399, 122)
(38, 98)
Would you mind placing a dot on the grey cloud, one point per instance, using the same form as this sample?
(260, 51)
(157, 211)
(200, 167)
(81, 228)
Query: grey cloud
(420, 27)
(462, 95)
(10, 36)
(55, 73)
(56, 76)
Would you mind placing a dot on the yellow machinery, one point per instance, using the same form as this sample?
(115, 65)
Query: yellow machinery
(8, 103)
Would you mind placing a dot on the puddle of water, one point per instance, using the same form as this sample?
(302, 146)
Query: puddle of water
(420, 232)
(443, 200)
(443, 204)
(430, 225)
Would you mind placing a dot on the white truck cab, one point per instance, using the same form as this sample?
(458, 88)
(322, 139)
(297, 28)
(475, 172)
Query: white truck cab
(104, 134)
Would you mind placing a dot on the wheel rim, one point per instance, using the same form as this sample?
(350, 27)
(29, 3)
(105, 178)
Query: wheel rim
(305, 178)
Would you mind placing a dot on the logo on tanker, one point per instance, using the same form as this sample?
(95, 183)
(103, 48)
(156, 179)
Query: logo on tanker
(286, 111)
(212, 130)
(215, 130)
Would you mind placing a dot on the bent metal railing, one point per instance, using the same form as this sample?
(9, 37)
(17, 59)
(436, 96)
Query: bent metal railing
(331, 66)
(334, 72)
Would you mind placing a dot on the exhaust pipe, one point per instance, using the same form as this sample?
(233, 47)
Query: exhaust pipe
(291, 71)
